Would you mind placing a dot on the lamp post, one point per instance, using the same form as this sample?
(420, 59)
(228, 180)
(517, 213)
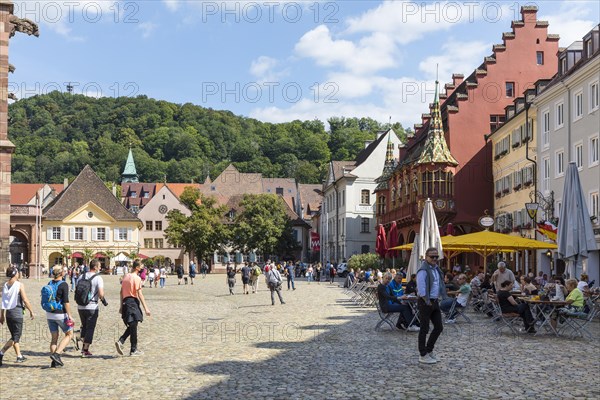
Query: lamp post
(549, 255)
(343, 237)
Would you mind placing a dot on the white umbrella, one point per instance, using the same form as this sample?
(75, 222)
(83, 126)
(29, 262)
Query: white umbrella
(575, 235)
(429, 232)
(413, 262)
(122, 257)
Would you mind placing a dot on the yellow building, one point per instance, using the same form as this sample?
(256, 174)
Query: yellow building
(513, 166)
(87, 221)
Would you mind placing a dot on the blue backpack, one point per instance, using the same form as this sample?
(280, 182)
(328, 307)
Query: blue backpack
(49, 301)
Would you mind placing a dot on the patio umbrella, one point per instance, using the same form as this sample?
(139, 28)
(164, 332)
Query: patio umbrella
(429, 232)
(392, 241)
(413, 263)
(575, 234)
(381, 243)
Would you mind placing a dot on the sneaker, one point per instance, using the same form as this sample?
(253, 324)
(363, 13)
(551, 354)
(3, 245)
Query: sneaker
(21, 359)
(56, 358)
(433, 357)
(119, 347)
(86, 353)
(426, 359)
(414, 328)
(451, 321)
(136, 353)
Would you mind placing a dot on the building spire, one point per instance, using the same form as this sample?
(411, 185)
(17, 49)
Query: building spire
(389, 155)
(435, 149)
(129, 174)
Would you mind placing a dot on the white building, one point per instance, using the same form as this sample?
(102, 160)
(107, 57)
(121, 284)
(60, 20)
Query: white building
(348, 210)
(568, 124)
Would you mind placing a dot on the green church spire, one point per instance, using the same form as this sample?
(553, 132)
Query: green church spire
(129, 174)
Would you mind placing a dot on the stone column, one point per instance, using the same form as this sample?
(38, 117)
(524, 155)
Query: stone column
(6, 147)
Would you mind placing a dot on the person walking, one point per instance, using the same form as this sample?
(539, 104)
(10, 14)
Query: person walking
(203, 269)
(192, 272)
(309, 274)
(274, 281)
(131, 313)
(163, 276)
(430, 291)
(289, 273)
(332, 272)
(14, 300)
(256, 273)
(246, 277)
(88, 314)
(179, 271)
(60, 316)
(231, 278)
(318, 273)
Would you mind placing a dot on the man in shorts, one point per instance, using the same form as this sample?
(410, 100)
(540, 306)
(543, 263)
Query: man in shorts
(246, 277)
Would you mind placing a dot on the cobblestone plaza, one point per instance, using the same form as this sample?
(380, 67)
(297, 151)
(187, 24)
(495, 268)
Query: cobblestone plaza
(202, 343)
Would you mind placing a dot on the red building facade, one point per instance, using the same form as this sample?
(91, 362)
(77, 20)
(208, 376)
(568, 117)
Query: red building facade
(460, 183)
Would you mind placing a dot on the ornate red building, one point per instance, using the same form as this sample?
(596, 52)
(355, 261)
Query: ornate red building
(448, 159)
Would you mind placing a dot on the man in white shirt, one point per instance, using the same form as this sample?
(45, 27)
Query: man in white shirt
(89, 313)
(502, 274)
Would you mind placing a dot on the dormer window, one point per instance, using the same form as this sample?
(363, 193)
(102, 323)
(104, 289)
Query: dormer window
(231, 214)
(213, 188)
(133, 195)
(563, 65)
(588, 48)
(146, 195)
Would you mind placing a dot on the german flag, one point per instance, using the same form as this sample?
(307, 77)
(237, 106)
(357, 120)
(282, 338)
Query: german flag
(547, 229)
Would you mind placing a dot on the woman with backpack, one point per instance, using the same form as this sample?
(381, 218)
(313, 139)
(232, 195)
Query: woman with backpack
(14, 300)
(274, 281)
(55, 301)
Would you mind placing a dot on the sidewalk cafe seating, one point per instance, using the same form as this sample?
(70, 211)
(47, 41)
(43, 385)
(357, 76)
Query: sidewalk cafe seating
(510, 320)
(578, 321)
(385, 318)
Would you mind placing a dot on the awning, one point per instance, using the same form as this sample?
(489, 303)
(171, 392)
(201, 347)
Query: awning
(142, 256)
(77, 255)
(122, 257)
(99, 255)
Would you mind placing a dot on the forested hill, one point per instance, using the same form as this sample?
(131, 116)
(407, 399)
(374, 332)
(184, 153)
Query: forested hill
(58, 133)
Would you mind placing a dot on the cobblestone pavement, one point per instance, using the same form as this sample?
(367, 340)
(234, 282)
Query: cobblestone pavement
(202, 343)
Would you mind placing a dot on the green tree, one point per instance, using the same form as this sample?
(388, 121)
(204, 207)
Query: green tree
(364, 261)
(261, 224)
(203, 232)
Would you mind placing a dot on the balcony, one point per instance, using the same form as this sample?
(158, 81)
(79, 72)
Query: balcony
(24, 210)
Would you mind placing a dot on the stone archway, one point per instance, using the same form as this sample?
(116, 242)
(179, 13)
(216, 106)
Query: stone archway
(19, 247)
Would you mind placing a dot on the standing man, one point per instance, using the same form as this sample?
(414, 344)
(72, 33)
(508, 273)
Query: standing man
(60, 316)
(88, 314)
(192, 271)
(430, 290)
(246, 277)
(204, 269)
(274, 282)
(289, 271)
(502, 274)
(131, 297)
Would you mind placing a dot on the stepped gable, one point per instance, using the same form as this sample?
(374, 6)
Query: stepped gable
(457, 92)
(87, 187)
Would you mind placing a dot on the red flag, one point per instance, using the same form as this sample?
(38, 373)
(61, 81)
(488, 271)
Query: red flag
(315, 241)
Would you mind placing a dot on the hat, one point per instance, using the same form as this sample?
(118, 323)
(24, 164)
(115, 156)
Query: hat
(57, 270)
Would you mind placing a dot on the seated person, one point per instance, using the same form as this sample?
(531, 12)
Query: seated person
(529, 288)
(508, 304)
(575, 300)
(411, 286)
(583, 285)
(461, 299)
(389, 303)
(449, 282)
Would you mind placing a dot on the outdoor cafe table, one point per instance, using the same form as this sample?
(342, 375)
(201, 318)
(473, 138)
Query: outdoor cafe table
(542, 311)
(412, 302)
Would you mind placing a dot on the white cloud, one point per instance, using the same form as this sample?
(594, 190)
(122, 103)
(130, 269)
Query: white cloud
(457, 57)
(371, 53)
(570, 21)
(264, 68)
(172, 5)
(147, 28)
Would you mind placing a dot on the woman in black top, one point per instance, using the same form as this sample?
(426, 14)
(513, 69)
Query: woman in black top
(411, 287)
(231, 278)
(508, 304)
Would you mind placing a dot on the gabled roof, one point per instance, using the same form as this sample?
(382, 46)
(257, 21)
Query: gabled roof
(22, 193)
(140, 201)
(177, 188)
(311, 197)
(85, 188)
(366, 152)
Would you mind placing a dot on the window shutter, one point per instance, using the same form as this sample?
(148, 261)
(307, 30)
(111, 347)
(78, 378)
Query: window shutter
(94, 234)
(71, 233)
(85, 231)
(62, 233)
(129, 234)
(49, 234)
(116, 234)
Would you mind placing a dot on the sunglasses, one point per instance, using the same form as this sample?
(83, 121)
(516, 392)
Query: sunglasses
(434, 257)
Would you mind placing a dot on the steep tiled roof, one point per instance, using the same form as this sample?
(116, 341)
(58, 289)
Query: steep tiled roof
(22, 193)
(85, 188)
(311, 197)
(139, 200)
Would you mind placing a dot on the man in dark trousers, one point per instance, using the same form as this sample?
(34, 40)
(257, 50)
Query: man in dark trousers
(431, 291)
(131, 313)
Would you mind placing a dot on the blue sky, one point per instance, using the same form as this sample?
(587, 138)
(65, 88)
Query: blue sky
(271, 60)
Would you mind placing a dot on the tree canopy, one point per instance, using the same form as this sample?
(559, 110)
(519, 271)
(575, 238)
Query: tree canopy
(56, 134)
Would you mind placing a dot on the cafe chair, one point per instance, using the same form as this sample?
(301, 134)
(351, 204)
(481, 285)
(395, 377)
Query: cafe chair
(384, 318)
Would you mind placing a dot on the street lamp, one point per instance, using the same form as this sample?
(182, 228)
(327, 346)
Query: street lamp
(342, 236)
(549, 255)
